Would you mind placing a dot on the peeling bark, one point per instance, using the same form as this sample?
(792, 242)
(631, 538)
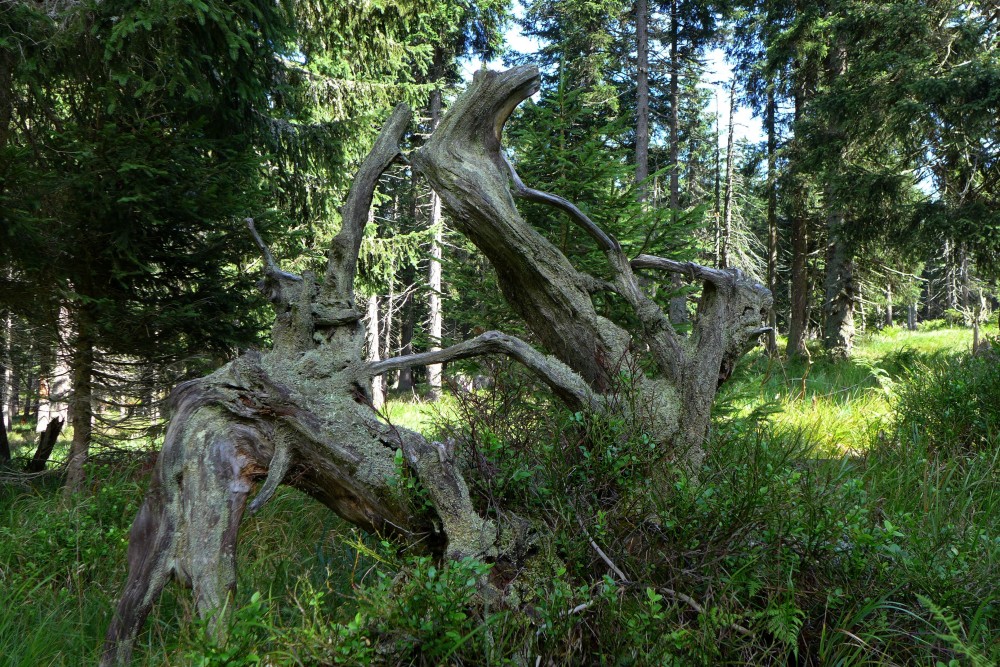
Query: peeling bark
(301, 413)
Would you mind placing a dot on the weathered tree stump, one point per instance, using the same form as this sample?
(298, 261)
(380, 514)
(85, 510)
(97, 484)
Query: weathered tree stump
(300, 414)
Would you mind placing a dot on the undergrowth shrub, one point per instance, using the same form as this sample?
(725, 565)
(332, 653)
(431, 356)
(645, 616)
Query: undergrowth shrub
(772, 555)
(407, 611)
(953, 403)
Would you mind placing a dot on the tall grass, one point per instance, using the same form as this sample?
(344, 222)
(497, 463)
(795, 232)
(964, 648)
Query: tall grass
(838, 405)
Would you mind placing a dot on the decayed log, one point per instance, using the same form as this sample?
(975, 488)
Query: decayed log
(300, 413)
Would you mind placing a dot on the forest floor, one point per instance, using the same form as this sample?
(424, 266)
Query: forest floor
(926, 585)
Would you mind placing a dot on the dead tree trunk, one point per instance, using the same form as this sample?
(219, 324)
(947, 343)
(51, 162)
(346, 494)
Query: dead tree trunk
(373, 341)
(435, 315)
(301, 414)
(82, 407)
(727, 206)
(46, 443)
(642, 98)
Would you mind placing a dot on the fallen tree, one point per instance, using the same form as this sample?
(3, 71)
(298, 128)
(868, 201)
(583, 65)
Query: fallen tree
(300, 414)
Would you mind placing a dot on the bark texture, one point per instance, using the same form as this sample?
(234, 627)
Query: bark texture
(772, 216)
(838, 304)
(46, 443)
(300, 414)
(434, 284)
(642, 97)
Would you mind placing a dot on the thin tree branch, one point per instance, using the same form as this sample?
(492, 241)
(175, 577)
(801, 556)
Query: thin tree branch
(604, 240)
(271, 266)
(338, 286)
(691, 602)
(566, 384)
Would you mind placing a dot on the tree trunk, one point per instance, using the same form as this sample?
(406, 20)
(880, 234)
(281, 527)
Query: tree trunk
(82, 363)
(911, 317)
(30, 398)
(950, 291)
(838, 303)
(390, 305)
(642, 98)
(675, 104)
(434, 285)
(436, 316)
(46, 442)
(888, 305)
(4, 442)
(727, 215)
(717, 209)
(54, 386)
(407, 323)
(965, 291)
(14, 398)
(678, 312)
(300, 413)
(839, 289)
(5, 377)
(798, 319)
(772, 216)
(372, 344)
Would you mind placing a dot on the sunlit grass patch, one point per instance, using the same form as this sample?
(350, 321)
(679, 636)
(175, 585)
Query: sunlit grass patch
(418, 414)
(838, 405)
(884, 343)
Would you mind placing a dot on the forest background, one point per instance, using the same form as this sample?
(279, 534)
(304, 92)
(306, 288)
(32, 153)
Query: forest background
(848, 509)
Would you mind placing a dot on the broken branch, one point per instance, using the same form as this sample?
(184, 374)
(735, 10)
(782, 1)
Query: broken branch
(271, 266)
(338, 286)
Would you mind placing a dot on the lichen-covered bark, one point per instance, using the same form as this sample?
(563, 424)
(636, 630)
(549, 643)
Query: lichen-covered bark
(301, 414)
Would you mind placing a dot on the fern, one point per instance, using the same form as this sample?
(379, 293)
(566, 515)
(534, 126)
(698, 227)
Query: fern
(785, 623)
(955, 634)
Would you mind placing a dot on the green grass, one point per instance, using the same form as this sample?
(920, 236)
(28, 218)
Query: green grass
(838, 406)
(886, 556)
(418, 414)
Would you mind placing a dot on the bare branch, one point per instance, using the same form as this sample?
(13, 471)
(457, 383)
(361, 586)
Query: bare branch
(600, 552)
(338, 285)
(272, 266)
(279, 286)
(604, 240)
(718, 277)
(566, 384)
(691, 602)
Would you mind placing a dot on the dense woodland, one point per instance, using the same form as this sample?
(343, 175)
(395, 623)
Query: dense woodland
(175, 174)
